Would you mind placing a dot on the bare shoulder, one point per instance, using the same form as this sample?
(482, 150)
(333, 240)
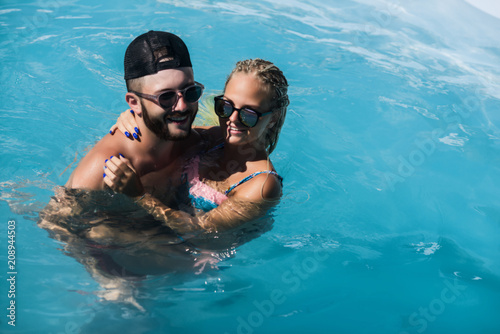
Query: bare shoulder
(262, 187)
(89, 172)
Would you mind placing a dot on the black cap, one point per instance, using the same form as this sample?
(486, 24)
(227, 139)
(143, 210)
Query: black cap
(155, 51)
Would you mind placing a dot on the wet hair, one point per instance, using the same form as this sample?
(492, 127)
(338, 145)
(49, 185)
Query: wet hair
(276, 84)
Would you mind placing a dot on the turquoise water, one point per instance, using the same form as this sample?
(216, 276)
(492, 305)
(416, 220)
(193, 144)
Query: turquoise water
(390, 153)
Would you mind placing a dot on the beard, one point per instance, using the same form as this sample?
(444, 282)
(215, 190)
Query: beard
(160, 128)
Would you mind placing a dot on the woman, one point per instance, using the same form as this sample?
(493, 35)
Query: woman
(233, 182)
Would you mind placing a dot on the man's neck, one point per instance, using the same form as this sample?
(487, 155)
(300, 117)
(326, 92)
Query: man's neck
(152, 153)
(153, 146)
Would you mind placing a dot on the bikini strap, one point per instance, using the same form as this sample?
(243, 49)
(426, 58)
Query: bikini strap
(205, 138)
(216, 147)
(251, 176)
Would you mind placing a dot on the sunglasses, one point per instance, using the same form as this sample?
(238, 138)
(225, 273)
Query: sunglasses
(247, 116)
(168, 99)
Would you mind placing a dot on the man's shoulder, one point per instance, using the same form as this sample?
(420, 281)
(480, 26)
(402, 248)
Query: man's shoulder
(105, 148)
(89, 172)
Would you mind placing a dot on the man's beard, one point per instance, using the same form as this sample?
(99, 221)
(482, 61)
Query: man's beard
(160, 129)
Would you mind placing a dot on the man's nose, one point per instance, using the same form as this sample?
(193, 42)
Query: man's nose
(180, 104)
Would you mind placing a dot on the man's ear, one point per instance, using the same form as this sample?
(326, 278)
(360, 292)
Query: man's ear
(134, 103)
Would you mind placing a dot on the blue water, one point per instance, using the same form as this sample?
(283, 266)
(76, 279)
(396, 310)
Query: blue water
(390, 153)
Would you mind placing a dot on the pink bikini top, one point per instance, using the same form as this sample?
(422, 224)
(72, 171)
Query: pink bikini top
(205, 197)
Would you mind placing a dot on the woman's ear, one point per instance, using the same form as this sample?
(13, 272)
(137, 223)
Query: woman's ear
(133, 103)
(274, 119)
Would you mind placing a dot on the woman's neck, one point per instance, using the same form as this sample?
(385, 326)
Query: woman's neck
(237, 157)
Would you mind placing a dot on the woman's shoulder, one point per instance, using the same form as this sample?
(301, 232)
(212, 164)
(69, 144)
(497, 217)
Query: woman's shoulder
(263, 184)
(211, 132)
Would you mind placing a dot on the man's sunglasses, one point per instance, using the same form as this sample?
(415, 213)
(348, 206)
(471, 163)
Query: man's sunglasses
(169, 98)
(247, 116)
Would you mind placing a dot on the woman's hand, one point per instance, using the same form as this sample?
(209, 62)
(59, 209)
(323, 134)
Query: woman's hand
(120, 175)
(127, 124)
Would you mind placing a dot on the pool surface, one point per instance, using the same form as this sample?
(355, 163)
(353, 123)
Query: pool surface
(390, 220)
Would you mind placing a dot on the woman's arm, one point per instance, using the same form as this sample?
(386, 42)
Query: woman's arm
(232, 213)
(248, 203)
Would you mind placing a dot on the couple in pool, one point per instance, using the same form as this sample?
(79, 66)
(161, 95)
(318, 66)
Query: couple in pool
(192, 180)
(187, 191)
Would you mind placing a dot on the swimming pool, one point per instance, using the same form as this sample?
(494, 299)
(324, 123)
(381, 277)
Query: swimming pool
(390, 152)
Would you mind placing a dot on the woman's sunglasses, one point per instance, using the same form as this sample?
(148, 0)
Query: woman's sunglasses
(168, 99)
(247, 116)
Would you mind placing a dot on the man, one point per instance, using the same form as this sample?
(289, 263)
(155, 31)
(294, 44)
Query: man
(163, 94)
(94, 225)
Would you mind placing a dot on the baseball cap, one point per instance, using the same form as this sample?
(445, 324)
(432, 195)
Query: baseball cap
(155, 51)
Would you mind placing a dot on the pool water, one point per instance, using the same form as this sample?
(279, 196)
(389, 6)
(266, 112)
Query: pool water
(390, 153)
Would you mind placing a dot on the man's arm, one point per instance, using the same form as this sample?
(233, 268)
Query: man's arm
(89, 172)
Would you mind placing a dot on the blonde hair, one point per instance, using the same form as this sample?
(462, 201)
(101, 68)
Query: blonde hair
(276, 83)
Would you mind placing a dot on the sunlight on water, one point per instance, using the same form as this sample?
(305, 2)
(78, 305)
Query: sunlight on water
(390, 153)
